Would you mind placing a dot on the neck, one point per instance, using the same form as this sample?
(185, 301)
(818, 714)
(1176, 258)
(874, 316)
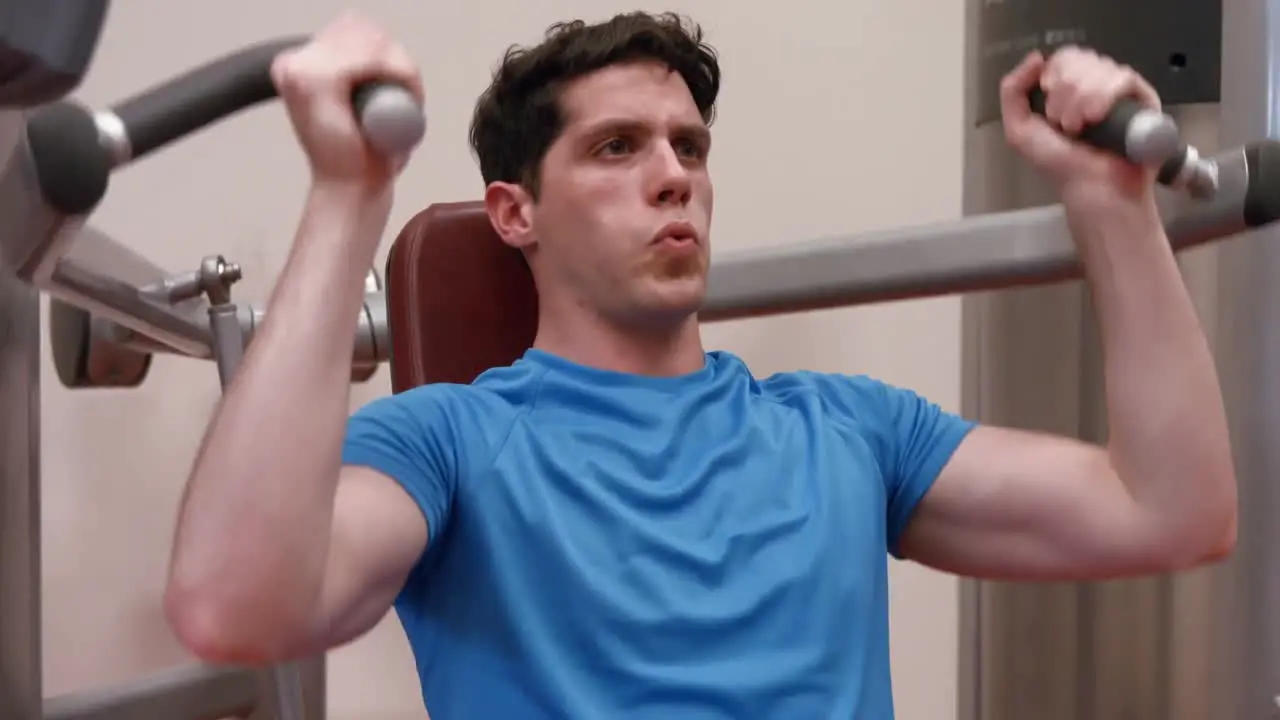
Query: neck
(587, 339)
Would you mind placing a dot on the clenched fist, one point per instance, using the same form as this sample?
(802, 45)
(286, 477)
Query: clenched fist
(1080, 88)
(316, 81)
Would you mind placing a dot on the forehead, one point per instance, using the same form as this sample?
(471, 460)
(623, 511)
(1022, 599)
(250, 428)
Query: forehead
(638, 90)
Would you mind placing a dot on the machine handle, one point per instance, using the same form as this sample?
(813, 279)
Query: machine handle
(1131, 130)
(1138, 133)
(390, 116)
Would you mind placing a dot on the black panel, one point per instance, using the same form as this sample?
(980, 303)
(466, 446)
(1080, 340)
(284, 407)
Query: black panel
(1175, 44)
(45, 48)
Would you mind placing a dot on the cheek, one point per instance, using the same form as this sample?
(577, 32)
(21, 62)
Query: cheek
(704, 198)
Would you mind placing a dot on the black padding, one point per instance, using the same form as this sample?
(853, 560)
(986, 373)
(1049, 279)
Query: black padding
(1172, 167)
(84, 361)
(200, 97)
(207, 94)
(1110, 134)
(363, 93)
(1262, 197)
(72, 167)
(45, 48)
(69, 338)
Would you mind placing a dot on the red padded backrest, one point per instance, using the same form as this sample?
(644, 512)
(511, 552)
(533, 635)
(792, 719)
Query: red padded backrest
(459, 300)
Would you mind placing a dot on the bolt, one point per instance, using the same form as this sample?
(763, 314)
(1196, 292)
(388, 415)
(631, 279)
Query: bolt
(229, 272)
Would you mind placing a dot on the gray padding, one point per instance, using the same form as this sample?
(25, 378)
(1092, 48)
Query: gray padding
(1152, 138)
(393, 121)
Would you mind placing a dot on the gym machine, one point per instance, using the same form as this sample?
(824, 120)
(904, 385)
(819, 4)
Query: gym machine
(1013, 258)
(112, 309)
(1185, 646)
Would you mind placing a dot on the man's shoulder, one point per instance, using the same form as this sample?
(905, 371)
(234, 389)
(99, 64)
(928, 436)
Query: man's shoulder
(820, 383)
(508, 386)
(459, 411)
(858, 399)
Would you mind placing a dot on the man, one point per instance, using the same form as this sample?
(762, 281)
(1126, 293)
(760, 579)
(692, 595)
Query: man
(622, 524)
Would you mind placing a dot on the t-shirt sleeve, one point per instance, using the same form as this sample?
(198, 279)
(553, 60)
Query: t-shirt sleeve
(408, 438)
(912, 437)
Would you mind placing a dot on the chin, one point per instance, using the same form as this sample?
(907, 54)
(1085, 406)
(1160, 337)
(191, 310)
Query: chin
(676, 296)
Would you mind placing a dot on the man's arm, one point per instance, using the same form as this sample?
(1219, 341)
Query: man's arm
(1161, 495)
(280, 551)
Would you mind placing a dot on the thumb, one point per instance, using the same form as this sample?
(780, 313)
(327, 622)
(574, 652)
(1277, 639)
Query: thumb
(1026, 131)
(1016, 87)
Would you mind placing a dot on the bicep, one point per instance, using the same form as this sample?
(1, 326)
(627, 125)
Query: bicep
(377, 536)
(1015, 504)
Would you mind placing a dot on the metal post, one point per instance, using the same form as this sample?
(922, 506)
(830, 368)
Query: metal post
(1182, 646)
(20, 656)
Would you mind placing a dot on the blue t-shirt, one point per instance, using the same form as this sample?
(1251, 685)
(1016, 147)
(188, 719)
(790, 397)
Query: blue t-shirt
(703, 547)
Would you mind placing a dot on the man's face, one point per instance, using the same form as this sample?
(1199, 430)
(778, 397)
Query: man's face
(624, 210)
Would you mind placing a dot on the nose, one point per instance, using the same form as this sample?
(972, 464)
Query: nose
(672, 184)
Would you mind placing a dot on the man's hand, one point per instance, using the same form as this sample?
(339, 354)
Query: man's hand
(1080, 88)
(316, 82)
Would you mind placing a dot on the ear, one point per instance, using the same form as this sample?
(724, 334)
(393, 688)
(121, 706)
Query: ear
(510, 209)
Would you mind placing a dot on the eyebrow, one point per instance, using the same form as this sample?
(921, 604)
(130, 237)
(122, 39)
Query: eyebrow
(622, 126)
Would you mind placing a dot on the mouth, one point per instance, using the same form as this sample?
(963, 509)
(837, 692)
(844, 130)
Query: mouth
(676, 233)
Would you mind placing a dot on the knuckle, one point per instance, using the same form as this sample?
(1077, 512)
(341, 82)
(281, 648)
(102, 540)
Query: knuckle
(285, 70)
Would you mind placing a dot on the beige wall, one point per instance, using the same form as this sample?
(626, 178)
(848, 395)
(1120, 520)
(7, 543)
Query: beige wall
(836, 117)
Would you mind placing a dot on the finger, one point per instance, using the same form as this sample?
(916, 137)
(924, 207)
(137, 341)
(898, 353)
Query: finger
(1088, 95)
(1105, 89)
(1067, 72)
(301, 69)
(304, 69)
(1058, 66)
(398, 66)
(1017, 84)
(368, 53)
(280, 70)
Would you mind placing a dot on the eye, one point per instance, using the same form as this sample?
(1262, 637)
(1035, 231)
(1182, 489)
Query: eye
(691, 148)
(615, 146)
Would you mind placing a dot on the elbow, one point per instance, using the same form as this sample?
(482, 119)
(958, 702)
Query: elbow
(215, 632)
(1212, 543)
(1223, 541)
(1221, 527)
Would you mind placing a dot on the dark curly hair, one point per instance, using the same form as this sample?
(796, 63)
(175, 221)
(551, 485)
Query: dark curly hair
(519, 116)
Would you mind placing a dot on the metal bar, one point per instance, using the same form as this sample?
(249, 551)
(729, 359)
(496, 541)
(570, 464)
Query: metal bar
(20, 616)
(20, 653)
(372, 346)
(970, 674)
(197, 692)
(101, 275)
(90, 270)
(998, 250)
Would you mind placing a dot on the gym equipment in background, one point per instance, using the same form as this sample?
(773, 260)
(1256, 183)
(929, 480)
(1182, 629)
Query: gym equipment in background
(1183, 646)
(112, 308)
(45, 48)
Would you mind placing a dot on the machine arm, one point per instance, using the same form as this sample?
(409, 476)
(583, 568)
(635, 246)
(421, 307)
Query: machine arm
(60, 169)
(196, 692)
(998, 250)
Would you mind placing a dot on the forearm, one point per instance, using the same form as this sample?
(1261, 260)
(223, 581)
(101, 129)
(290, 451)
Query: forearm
(1169, 441)
(253, 531)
